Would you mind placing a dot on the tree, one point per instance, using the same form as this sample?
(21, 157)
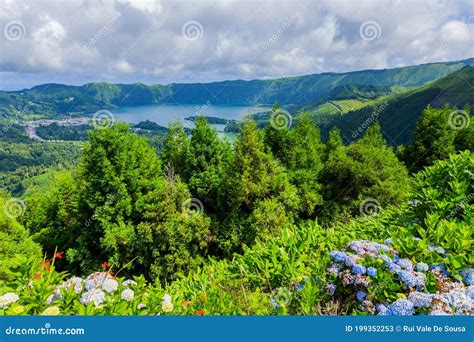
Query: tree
(300, 151)
(206, 164)
(129, 214)
(175, 152)
(434, 139)
(362, 177)
(255, 182)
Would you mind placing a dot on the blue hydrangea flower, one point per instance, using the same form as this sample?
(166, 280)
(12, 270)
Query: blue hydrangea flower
(396, 258)
(470, 292)
(358, 269)
(420, 299)
(371, 271)
(298, 287)
(383, 248)
(394, 268)
(338, 256)
(330, 288)
(405, 264)
(468, 276)
(402, 307)
(408, 278)
(360, 295)
(385, 258)
(334, 269)
(388, 242)
(422, 267)
(351, 260)
(382, 310)
(420, 280)
(440, 250)
(274, 303)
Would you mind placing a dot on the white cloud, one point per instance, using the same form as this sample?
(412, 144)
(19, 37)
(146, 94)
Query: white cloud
(79, 41)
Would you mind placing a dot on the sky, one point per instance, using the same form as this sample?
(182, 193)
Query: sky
(162, 42)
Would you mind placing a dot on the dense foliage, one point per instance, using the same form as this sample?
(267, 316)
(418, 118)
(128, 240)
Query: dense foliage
(275, 223)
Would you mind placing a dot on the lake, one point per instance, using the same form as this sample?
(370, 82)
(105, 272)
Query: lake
(164, 114)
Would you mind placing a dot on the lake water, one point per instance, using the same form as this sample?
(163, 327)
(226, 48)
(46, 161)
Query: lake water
(164, 114)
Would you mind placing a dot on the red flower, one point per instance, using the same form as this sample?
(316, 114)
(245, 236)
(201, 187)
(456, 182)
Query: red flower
(59, 255)
(37, 276)
(45, 262)
(105, 265)
(185, 302)
(201, 312)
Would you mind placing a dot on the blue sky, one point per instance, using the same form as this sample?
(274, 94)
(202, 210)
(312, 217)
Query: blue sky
(80, 41)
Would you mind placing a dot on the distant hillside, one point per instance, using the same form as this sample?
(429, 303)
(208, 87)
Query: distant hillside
(399, 113)
(54, 99)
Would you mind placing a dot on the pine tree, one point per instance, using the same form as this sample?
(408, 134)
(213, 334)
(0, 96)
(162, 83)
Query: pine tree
(433, 139)
(255, 186)
(175, 152)
(206, 164)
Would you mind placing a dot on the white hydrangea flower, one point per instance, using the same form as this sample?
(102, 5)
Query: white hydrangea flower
(167, 305)
(127, 295)
(8, 298)
(95, 296)
(129, 282)
(110, 285)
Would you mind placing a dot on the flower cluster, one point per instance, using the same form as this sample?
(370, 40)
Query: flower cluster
(356, 268)
(166, 304)
(7, 299)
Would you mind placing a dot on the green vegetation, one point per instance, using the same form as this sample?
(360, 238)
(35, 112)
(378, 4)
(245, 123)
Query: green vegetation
(51, 100)
(399, 113)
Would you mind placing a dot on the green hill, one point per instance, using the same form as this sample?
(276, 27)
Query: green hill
(399, 113)
(292, 92)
